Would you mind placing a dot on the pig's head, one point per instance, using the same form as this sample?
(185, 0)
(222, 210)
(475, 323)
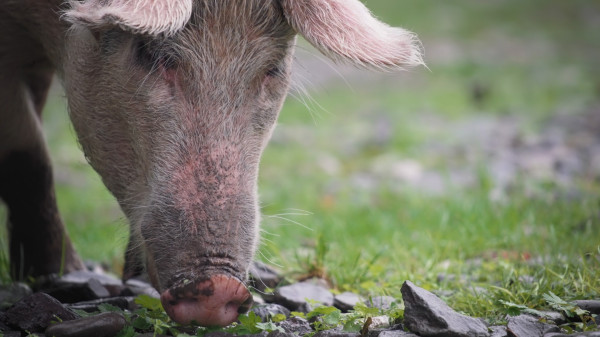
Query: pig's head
(174, 101)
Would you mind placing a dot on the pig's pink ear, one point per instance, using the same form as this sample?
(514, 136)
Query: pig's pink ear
(345, 30)
(141, 16)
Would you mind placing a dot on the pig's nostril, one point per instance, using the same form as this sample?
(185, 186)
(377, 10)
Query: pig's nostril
(245, 306)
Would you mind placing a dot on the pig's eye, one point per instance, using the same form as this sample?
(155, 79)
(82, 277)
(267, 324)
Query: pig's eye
(273, 72)
(151, 56)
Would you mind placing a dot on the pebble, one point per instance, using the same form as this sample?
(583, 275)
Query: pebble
(296, 296)
(263, 276)
(346, 301)
(336, 333)
(427, 315)
(381, 302)
(296, 325)
(267, 311)
(106, 324)
(396, 333)
(528, 326)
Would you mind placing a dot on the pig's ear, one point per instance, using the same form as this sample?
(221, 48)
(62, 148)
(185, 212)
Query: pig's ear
(345, 30)
(141, 16)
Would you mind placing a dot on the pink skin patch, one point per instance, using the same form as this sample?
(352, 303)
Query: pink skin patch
(215, 302)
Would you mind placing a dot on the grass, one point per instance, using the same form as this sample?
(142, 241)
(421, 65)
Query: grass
(319, 178)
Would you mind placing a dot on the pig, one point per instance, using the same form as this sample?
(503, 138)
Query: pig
(173, 102)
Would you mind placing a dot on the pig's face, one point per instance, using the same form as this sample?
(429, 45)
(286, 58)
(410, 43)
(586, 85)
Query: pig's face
(174, 114)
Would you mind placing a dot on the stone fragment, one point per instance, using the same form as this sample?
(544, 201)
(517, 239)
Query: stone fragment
(12, 293)
(262, 276)
(296, 296)
(427, 315)
(106, 324)
(528, 326)
(34, 313)
(380, 302)
(111, 283)
(296, 325)
(346, 301)
(593, 306)
(93, 306)
(267, 311)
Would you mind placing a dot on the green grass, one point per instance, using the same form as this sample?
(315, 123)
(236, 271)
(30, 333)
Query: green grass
(536, 60)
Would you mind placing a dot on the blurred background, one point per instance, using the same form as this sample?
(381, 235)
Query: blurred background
(487, 159)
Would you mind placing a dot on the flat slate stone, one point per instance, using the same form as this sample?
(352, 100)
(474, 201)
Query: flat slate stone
(427, 315)
(106, 324)
(528, 326)
(35, 313)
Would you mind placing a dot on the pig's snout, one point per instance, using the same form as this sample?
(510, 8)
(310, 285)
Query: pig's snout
(215, 302)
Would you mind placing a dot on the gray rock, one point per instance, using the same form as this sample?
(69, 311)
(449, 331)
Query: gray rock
(106, 324)
(263, 276)
(34, 313)
(396, 333)
(593, 306)
(346, 301)
(219, 334)
(577, 334)
(112, 284)
(296, 325)
(72, 290)
(380, 302)
(280, 334)
(296, 296)
(267, 311)
(427, 315)
(11, 333)
(553, 316)
(528, 326)
(93, 306)
(336, 333)
(498, 331)
(12, 293)
(136, 287)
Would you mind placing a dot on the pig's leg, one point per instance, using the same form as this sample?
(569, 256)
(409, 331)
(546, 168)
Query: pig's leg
(38, 241)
